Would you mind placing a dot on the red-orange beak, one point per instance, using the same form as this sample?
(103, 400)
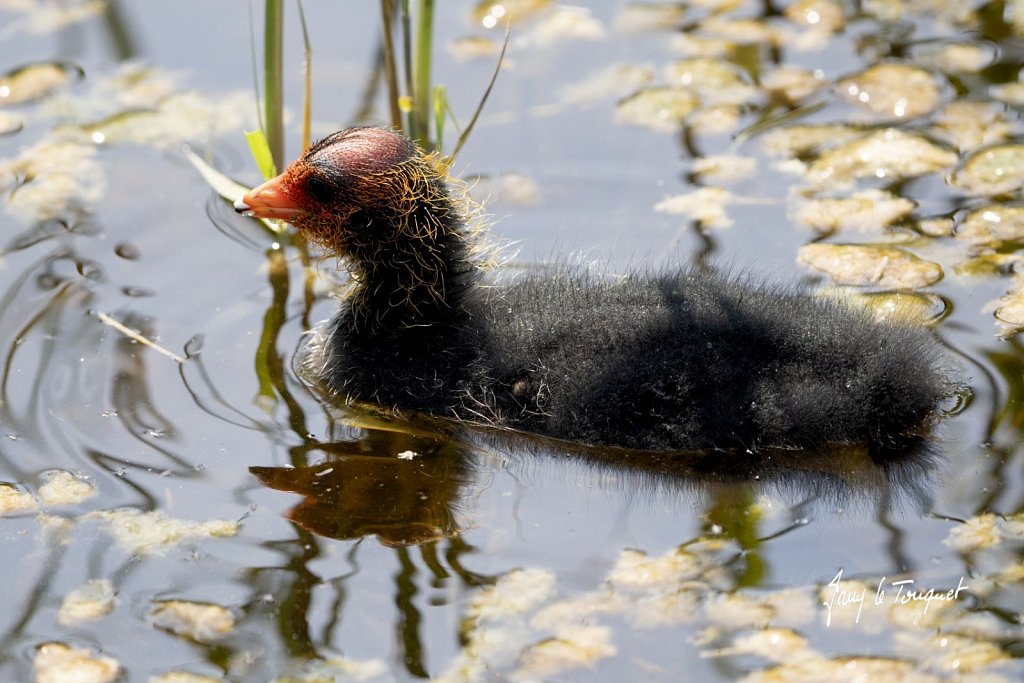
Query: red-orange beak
(269, 200)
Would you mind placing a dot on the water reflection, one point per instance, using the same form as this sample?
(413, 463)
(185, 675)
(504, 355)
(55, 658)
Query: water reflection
(405, 482)
(391, 532)
(404, 490)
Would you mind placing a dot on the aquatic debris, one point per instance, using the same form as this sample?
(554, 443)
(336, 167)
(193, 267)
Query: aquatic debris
(802, 140)
(613, 81)
(946, 11)
(666, 589)
(890, 154)
(132, 86)
(742, 31)
(665, 608)
(992, 171)
(184, 677)
(892, 89)
(940, 613)
(902, 307)
(14, 501)
(950, 652)
(198, 621)
(583, 609)
(95, 600)
(735, 611)
(866, 265)
(515, 593)
(40, 18)
(494, 629)
(574, 647)
(705, 205)
(820, 15)
(870, 210)
(514, 189)
(718, 118)
(645, 17)
(474, 47)
(1015, 15)
(36, 81)
(724, 167)
(715, 81)
(56, 527)
(64, 488)
(793, 83)
(969, 125)
(52, 179)
(1010, 93)
(151, 533)
(637, 571)
(143, 105)
(992, 225)
(1009, 309)
(662, 108)
(690, 45)
(560, 24)
(60, 663)
(775, 644)
(974, 534)
(178, 118)
(814, 669)
(10, 124)
(336, 670)
(937, 226)
(489, 13)
(969, 58)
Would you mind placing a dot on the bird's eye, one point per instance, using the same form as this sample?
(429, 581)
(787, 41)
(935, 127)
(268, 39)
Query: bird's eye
(319, 189)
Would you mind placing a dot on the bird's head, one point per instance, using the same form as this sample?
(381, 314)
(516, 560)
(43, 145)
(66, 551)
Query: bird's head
(357, 191)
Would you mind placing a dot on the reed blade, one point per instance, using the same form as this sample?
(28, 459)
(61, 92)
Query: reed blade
(273, 79)
(450, 159)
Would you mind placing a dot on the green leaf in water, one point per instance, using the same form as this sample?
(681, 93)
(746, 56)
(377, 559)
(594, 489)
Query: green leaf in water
(229, 189)
(260, 149)
(221, 184)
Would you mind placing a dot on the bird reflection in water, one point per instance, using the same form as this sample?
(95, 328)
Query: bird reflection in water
(404, 480)
(401, 487)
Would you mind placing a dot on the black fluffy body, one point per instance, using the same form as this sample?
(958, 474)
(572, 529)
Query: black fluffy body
(678, 361)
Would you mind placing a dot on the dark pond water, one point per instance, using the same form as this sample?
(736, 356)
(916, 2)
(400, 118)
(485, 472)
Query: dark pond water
(230, 526)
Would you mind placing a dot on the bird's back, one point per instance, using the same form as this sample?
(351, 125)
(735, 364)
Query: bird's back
(685, 361)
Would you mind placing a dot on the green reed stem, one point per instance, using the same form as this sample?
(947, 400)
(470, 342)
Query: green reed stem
(421, 94)
(388, 49)
(464, 135)
(407, 63)
(307, 83)
(273, 79)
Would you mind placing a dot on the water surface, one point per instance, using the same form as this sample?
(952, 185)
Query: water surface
(372, 549)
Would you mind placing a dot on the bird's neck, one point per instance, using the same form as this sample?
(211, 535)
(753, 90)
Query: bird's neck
(420, 278)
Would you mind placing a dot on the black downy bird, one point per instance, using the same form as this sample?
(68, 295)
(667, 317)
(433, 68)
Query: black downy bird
(670, 361)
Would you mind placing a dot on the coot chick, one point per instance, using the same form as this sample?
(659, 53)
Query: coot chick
(674, 361)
